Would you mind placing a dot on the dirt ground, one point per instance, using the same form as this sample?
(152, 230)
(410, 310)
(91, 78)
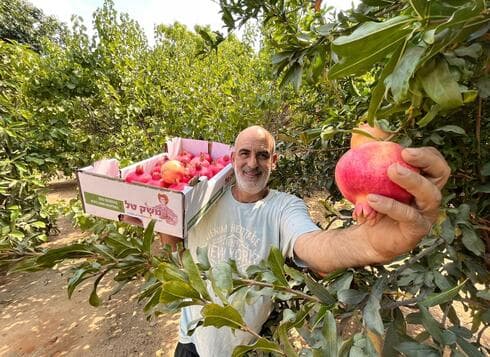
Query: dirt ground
(38, 319)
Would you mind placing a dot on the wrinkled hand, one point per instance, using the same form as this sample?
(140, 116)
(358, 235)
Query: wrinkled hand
(399, 227)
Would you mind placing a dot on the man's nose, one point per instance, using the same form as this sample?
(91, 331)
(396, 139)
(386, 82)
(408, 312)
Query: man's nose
(252, 162)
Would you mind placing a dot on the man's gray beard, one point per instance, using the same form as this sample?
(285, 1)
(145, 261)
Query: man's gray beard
(251, 189)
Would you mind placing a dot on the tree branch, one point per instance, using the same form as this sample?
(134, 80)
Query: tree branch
(282, 288)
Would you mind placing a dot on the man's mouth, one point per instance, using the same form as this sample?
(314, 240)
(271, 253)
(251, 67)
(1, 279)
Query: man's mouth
(251, 174)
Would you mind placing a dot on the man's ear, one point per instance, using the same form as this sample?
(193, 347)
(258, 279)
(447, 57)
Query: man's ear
(274, 160)
(232, 156)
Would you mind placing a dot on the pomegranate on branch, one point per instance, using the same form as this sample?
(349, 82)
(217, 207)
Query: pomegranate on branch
(363, 170)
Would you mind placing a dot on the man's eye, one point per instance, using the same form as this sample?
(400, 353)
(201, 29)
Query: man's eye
(264, 155)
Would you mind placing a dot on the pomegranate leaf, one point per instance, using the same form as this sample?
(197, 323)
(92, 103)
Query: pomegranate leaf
(219, 316)
(194, 274)
(177, 290)
(262, 344)
(276, 262)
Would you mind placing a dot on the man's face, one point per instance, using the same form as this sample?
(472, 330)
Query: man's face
(253, 161)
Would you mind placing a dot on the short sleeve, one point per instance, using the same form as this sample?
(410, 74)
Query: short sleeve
(295, 221)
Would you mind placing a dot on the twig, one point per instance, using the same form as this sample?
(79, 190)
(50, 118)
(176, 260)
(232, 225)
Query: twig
(478, 127)
(417, 257)
(444, 317)
(394, 304)
(283, 288)
(480, 334)
(250, 331)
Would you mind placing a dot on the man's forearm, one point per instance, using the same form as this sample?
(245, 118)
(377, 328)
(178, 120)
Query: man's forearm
(326, 251)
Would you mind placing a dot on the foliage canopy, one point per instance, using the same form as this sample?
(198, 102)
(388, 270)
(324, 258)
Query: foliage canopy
(417, 68)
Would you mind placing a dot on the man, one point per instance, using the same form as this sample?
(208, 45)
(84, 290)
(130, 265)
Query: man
(250, 217)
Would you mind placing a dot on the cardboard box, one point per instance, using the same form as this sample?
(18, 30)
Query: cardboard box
(105, 193)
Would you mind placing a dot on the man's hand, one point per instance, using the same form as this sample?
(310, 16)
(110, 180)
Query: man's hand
(402, 226)
(399, 227)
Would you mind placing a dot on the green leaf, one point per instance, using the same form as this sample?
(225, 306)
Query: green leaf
(449, 337)
(17, 235)
(329, 331)
(431, 114)
(399, 80)
(341, 283)
(53, 256)
(254, 293)
(452, 129)
(221, 279)
(472, 241)
(430, 324)
(285, 339)
(219, 316)
(393, 338)
(176, 290)
(371, 312)
(202, 257)
(463, 214)
(276, 263)
(260, 345)
(168, 272)
(77, 278)
(149, 236)
(94, 299)
(351, 296)
(441, 281)
(319, 291)
(378, 92)
(293, 75)
(441, 298)
(369, 36)
(483, 188)
(483, 86)
(470, 96)
(281, 56)
(194, 274)
(294, 274)
(469, 348)
(415, 349)
(473, 51)
(420, 7)
(485, 170)
(484, 294)
(461, 16)
(360, 64)
(325, 29)
(439, 85)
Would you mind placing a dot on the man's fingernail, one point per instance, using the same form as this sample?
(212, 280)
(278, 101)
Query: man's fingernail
(402, 170)
(412, 152)
(373, 198)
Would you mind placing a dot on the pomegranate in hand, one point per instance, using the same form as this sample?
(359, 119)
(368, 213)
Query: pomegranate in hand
(363, 170)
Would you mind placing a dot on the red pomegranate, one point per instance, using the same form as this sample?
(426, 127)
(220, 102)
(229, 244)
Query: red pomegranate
(138, 175)
(363, 170)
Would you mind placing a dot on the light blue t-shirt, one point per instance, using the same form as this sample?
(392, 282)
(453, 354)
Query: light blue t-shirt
(244, 232)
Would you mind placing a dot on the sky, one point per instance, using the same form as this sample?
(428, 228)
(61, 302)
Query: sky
(150, 12)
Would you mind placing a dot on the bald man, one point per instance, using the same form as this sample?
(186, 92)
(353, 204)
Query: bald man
(250, 218)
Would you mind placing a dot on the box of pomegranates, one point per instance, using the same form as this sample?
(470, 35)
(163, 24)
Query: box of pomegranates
(176, 188)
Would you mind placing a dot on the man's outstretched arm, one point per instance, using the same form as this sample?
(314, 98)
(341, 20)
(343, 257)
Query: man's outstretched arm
(400, 228)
